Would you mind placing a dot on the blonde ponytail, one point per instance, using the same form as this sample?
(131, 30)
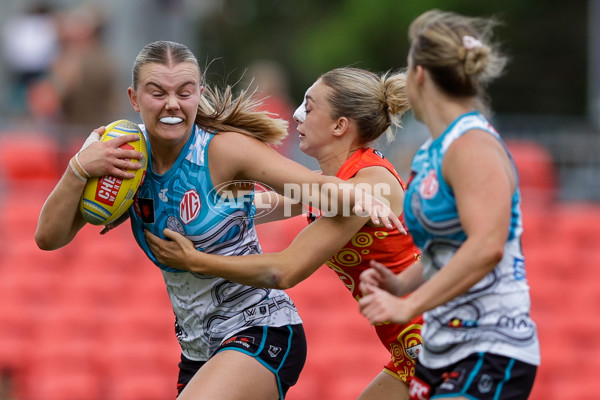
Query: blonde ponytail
(222, 111)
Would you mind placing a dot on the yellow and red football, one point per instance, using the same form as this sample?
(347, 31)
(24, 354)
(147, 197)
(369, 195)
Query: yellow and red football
(106, 198)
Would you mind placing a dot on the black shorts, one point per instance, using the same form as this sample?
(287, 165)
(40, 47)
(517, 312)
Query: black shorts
(282, 350)
(480, 376)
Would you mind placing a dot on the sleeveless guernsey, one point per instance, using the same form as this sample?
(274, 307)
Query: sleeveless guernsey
(389, 247)
(493, 316)
(207, 309)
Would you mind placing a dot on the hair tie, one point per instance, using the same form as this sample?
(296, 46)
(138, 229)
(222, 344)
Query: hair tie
(470, 42)
(386, 105)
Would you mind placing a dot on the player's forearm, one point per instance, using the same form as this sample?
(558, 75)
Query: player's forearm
(60, 219)
(409, 279)
(259, 270)
(468, 266)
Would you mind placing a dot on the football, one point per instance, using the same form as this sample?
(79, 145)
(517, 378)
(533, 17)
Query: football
(106, 198)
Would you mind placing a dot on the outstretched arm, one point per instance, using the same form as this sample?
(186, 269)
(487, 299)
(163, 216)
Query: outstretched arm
(235, 156)
(314, 245)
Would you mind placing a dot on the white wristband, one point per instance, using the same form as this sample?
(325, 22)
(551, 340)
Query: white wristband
(77, 174)
(80, 166)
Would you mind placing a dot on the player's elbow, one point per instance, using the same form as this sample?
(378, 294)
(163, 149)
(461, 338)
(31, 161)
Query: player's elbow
(44, 241)
(279, 271)
(281, 282)
(48, 240)
(494, 254)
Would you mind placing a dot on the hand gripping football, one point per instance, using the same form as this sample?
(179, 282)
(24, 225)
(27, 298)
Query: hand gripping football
(106, 198)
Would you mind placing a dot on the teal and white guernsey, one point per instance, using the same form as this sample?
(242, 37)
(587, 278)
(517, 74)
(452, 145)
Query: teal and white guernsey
(493, 316)
(208, 309)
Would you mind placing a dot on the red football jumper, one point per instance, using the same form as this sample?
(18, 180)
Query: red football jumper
(389, 247)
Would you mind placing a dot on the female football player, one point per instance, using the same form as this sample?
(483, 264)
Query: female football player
(237, 341)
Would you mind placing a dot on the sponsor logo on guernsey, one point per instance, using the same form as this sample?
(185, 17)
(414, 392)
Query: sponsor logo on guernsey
(189, 206)
(413, 352)
(429, 185)
(162, 195)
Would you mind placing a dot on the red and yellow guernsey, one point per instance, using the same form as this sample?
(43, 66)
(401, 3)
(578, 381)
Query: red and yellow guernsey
(389, 247)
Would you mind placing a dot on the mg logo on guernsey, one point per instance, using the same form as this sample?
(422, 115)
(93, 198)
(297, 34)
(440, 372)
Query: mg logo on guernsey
(189, 206)
(429, 185)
